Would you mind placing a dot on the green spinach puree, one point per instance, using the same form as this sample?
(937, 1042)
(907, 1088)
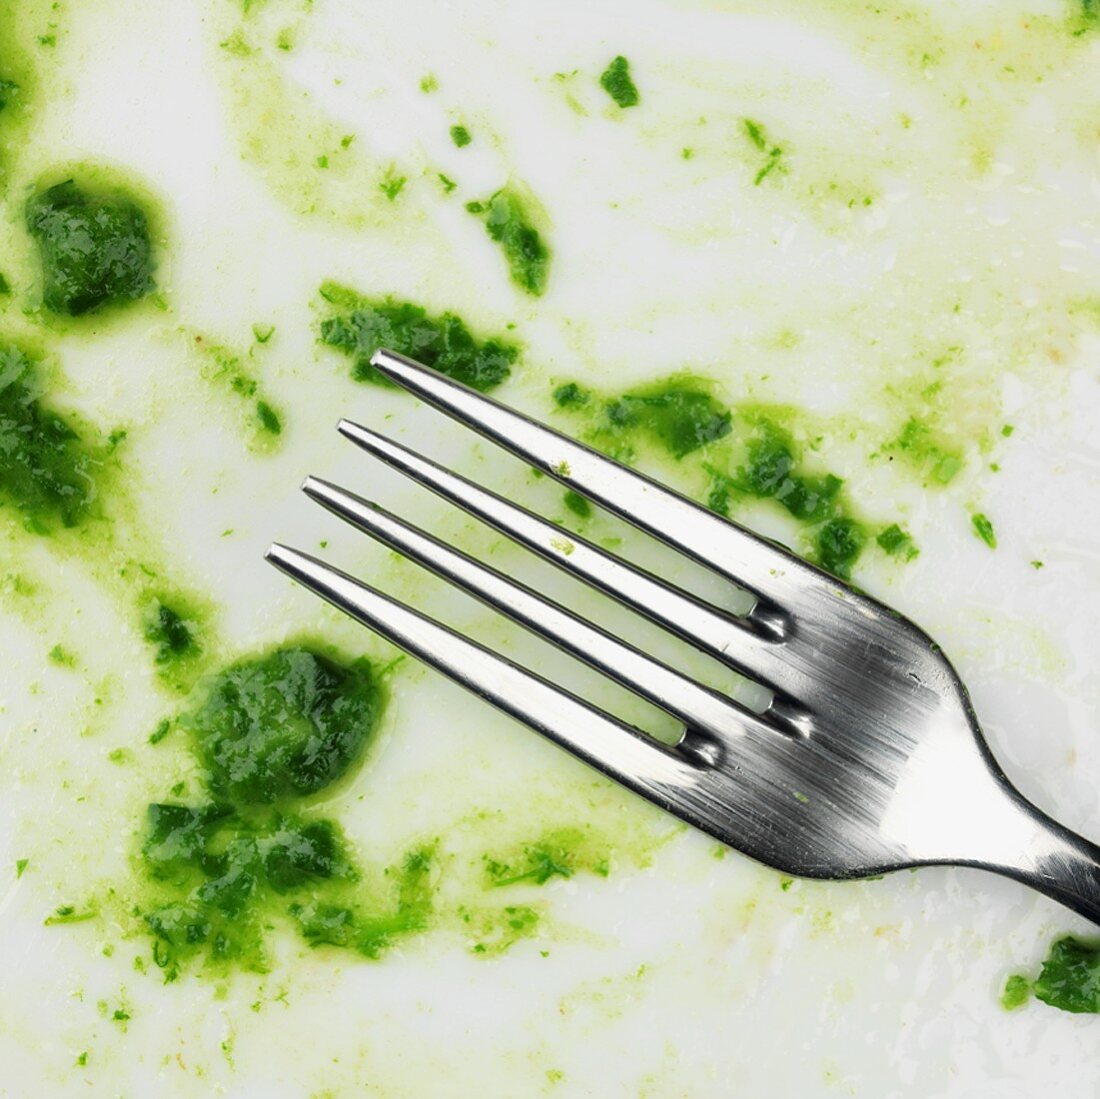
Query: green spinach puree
(269, 732)
(361, 326)
(47, 469)
(94, 247)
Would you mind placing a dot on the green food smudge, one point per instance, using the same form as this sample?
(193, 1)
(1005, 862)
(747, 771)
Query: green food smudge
(269, 732)
(283, 725)
(984, 529)
(508, 222)
(617, 82)
(392, 185)
(897, 542)
(47, 470)
(94, 245)
(1068, 980)
(577, 504)
(444, 342)
(747, 454)
(680, 415)
(773, 154)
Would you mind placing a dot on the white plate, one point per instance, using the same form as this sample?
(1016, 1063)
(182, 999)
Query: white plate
(972, 131)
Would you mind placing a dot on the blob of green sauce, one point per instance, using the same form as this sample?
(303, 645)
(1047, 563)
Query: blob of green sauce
(443, 342)
(172, 632)
(680, 417)
(284, 725)
(94, 246)
(1068, 980)
(618, 83)
(269, 732)
(508, 222)
(47, 470)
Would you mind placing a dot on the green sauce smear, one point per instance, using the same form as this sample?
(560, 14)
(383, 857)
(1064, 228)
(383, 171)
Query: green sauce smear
(94, 246)
(983, 528)
(269, 732)
(172, 634)
(560, 853)
(285, 725)
(47, 470)
(772, 153)
(747, 454)
(508, 222)
(617, 82)
(1068, 980)
(444, 342)
(681, 417)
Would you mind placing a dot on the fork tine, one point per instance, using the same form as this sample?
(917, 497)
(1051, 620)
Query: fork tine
(731, 639)
(637, 761)
(741, 556)
(677, 694)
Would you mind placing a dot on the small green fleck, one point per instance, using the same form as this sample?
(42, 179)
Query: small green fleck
(1036, 565)
(263, 332)
(577, 504)
(618, 83)
(62, 656)
(20, 866)
(391, 186)
(1017, 992)
(460, 136)
(428, 84)
(269, 418)
(1007, 430)
(5, 286)
(839, 543)
(160, 732)
(172, 631)
(322, 161)
(82, 1059)
(984, 529)
(447, 183)
(686, 153)
(67, 913)
(786, 883)
(571, 395)
(756, 134)
(773, 154)
(346, 140)
(897, 542)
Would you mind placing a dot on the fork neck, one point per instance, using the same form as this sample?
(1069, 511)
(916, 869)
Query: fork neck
(1052, 859)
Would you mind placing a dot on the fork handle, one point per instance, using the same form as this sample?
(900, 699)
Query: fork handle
(1060, 863)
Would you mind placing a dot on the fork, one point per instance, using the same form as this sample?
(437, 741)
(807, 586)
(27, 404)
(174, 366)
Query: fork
(868, 758)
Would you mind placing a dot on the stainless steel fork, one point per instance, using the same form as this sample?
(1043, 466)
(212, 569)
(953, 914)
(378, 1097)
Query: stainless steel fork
(869, 757)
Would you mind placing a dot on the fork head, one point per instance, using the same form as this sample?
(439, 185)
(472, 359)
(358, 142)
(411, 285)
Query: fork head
(869, 757)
